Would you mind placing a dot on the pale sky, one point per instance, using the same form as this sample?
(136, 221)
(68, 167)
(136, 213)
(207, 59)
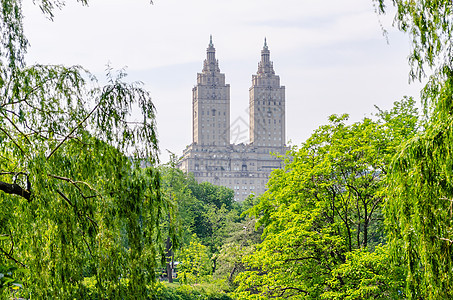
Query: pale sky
(330, 55)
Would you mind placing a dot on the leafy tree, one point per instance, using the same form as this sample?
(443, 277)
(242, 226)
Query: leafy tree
(75, 202)
(195, 264)
(366, 275)
(212, 194)
(203, 210)
(182, 210)
(213, 212)
(325, 204)
(419, 207)
(240, 242)
(418, 210)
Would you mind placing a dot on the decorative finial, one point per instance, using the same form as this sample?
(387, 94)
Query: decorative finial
(210, 41)
(265, 43)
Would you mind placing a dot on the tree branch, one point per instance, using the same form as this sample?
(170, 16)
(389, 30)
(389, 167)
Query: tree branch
(72, 131)
(21, 150)
(10, 254)
(17, 128)
(283, 290)
(79, 215)
(75, 183)
(448, 240)
(15, 189)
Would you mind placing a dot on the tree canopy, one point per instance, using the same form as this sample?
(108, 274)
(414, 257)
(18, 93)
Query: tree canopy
(418, 208)
(323, 212)
(83, 218)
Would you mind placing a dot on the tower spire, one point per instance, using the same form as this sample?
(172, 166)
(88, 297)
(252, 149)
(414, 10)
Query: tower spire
(211, 63)
(265, 65)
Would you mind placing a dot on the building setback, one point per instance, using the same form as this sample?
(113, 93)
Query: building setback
(245, 168)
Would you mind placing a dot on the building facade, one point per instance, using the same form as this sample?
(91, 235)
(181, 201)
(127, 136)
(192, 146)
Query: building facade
(211, 157)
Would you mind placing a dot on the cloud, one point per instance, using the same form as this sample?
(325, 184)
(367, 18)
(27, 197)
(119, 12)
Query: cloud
(330, 54)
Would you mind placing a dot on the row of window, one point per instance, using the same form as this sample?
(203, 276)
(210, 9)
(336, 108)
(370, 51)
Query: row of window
(206, 133)
(268, 145)
(213, 112)
(269, 132)
(269, 121)
(266, 109)
(263, 138)
(213, 125)
(263, 102)
(244, 193)
(236, 187)
(208, 136)
(216, 79)
(229, 181)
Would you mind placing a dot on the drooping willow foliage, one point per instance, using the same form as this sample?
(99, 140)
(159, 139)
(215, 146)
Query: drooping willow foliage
(419, 207)
(76, 206)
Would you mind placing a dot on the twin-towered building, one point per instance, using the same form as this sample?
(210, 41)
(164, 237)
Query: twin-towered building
(211, 157)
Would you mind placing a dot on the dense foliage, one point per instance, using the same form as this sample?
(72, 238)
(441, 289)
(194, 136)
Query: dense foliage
(207, 218)
(419, 205)
(360, 211)
(75, 202)
(322, 214)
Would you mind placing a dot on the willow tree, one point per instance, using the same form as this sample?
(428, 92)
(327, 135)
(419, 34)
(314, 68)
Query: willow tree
(419, 209)
(75, 203)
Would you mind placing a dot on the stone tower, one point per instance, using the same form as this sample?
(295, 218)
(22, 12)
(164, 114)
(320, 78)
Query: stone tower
(211, 104)
(244, 168)
(267, 105)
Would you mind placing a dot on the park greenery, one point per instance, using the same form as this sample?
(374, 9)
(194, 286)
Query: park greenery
(360, 210)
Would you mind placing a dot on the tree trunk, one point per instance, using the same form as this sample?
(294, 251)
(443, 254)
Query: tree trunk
(365, 226)
(169, 261)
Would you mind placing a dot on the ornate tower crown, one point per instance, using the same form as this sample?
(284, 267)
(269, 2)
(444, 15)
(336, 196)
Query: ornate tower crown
(211, 64)
(265, 66)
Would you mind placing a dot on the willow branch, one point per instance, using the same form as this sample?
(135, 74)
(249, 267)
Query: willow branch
(17, 128)
(72, 131)
(75, 183)
(21, 150)
(77, 210)
(9, 256)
